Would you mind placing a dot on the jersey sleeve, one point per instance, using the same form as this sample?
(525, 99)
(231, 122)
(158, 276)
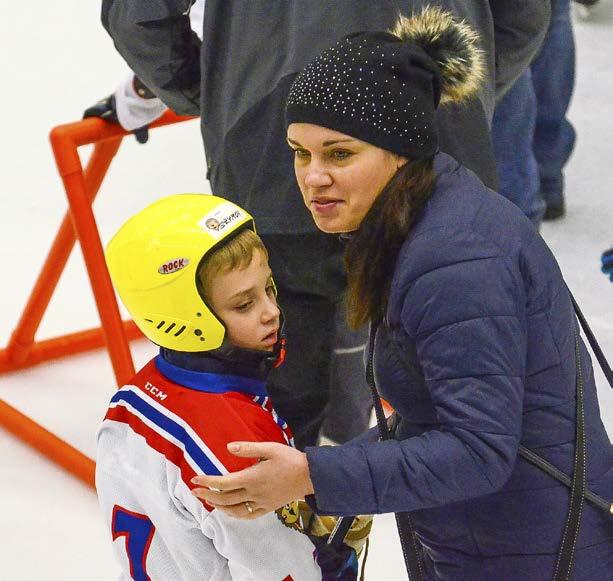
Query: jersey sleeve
(268, 547)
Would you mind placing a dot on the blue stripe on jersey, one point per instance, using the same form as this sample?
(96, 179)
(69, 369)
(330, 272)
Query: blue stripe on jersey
(171, 427)
(210, 382)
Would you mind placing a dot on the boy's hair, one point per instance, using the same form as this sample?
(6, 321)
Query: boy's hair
(236, 253)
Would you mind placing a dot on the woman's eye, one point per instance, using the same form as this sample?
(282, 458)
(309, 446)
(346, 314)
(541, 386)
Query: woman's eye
(301, 153)
(340, 154)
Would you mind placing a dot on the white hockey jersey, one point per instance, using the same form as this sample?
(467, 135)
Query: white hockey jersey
(158, 433)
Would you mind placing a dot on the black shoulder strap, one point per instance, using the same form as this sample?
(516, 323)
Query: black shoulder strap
(411, 547)
(602, 360)
(566, 556)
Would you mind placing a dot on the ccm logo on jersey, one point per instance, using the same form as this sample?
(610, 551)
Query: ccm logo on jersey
(173, 265)
(155, 392)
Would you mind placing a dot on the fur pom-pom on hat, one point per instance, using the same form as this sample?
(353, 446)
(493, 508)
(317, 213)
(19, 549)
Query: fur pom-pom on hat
(384, 87)
(452, 44)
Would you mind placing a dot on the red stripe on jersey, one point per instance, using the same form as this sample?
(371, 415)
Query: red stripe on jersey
(172, 453)
(216, 418)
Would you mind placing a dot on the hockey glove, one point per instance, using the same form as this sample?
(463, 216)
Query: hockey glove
(607, 263)
(340, 563)
(132, 105)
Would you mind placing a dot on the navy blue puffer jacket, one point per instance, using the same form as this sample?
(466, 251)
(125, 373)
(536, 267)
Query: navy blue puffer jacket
(477, 355)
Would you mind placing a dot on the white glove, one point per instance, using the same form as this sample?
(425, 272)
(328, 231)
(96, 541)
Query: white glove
(136, 109)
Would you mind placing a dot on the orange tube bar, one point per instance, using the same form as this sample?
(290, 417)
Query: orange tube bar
(22, 339)
(63, 346)
(54, 448)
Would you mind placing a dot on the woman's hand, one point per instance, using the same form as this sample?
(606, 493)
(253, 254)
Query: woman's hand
(281, 475)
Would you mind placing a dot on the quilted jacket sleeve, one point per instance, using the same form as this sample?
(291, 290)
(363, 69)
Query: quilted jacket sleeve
(468, 322)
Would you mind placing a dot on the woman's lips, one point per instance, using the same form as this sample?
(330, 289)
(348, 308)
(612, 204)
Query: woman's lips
(324, 206)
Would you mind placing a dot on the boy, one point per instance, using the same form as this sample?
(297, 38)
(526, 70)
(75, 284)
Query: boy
(194, 276)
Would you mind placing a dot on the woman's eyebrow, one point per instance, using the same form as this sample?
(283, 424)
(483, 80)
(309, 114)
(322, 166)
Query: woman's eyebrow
(335, 141)
(325, 143)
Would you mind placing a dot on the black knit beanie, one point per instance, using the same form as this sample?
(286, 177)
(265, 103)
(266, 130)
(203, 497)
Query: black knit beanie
(384, 87)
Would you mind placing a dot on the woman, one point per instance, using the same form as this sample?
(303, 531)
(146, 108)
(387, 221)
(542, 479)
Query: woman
(476, 336)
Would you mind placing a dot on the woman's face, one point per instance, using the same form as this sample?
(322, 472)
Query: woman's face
(339, 176)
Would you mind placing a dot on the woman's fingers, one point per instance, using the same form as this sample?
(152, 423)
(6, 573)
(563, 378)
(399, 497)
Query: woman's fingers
(242, 512)
(226, 483)
(221, 498)
(281, 476)
(260, 450)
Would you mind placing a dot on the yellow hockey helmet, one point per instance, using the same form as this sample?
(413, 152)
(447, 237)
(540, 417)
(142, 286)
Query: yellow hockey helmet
(153, 262)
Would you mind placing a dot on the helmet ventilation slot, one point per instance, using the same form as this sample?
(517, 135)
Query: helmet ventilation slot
(169, 328)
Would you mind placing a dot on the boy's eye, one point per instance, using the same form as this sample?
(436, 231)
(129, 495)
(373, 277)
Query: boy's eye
(243, 306)
(270, 289)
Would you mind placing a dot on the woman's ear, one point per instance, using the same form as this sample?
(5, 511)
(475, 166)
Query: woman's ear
(400, 161)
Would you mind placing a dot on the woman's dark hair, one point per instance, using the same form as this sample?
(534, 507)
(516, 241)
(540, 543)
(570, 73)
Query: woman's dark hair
(371, 253)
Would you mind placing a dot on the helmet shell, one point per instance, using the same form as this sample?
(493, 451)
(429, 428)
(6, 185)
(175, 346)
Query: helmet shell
(153, 262)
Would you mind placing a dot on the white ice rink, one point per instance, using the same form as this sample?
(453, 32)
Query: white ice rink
(56, 60)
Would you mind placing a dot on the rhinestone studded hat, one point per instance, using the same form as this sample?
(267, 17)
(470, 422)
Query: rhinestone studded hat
(384, 88)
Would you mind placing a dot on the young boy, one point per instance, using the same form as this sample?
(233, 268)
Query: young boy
(194, 276)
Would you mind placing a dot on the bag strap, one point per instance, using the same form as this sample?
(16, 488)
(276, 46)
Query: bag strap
(411, 548)
(602, 360)
(566, 556)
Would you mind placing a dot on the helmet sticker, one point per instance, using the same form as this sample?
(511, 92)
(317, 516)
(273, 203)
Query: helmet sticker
(173, 265)
(222, 219)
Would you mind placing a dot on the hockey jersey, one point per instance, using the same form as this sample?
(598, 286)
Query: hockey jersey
(160, 431)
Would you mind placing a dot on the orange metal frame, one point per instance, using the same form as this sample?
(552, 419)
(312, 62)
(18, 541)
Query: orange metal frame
(78, 224)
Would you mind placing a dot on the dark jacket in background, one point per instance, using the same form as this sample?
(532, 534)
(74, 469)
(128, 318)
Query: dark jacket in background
(237, 80)
(477, 355)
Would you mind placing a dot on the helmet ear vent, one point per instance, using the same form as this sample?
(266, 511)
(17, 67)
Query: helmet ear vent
(169, 328)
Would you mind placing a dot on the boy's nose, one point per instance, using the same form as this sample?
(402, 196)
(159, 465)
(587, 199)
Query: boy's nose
(271, 311)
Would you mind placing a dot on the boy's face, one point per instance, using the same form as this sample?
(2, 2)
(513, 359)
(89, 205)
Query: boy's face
(245, 301)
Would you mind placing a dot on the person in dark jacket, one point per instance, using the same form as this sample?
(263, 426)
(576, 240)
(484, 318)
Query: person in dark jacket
(476, 347)
(237, 80)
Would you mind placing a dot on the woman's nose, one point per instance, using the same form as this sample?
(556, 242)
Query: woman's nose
(317, 177)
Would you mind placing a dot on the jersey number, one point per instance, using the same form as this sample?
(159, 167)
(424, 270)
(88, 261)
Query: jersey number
(138, 530)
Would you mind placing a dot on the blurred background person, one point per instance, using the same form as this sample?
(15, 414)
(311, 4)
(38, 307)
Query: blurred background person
(533, 139)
